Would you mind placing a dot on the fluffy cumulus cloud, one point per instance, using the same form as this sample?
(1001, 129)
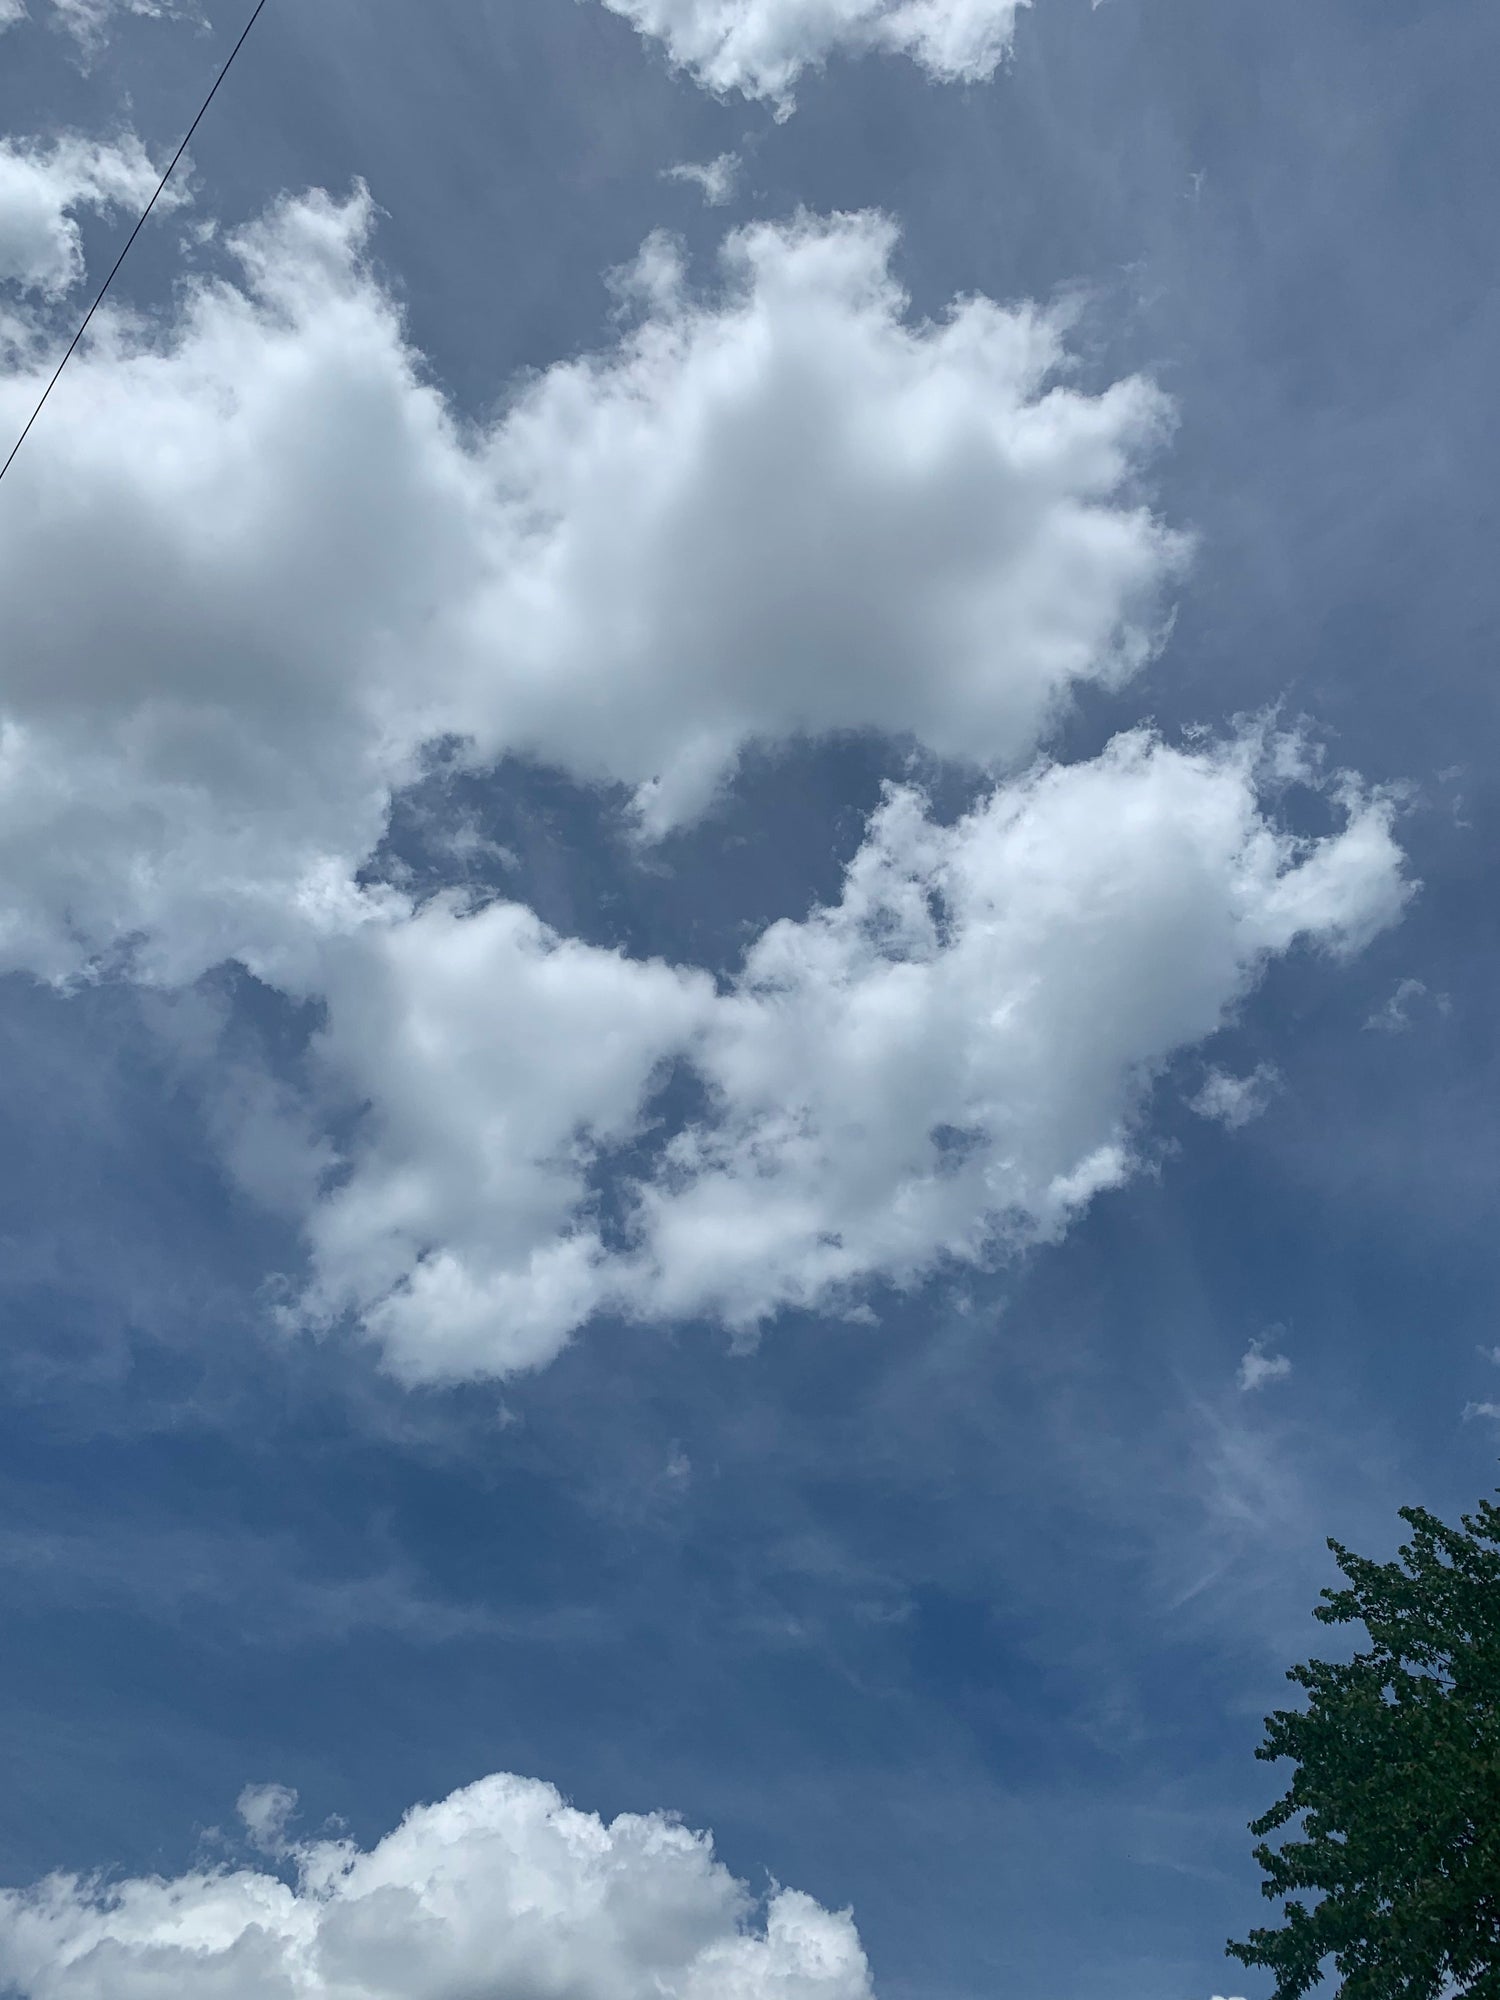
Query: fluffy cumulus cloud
(947, 1064)
(496, 1062)
(501, 1888)
(253, 565)
(761, 47)
(954, 1056)
(238, 608)
(791, 509)
(219, 549)
(42, 187)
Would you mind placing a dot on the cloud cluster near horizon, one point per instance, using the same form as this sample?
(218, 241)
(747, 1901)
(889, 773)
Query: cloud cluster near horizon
(781, 506)
(502, 1886)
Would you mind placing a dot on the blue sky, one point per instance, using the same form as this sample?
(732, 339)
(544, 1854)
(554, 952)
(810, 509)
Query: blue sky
(713, 1294)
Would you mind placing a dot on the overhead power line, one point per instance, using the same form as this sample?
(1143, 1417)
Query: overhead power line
(145, 217)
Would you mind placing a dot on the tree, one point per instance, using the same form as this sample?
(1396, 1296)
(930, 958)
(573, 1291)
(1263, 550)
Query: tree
(1397, 1782)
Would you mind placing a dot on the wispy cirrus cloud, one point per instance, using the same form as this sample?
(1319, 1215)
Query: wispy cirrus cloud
(714, 179)
(85, 20)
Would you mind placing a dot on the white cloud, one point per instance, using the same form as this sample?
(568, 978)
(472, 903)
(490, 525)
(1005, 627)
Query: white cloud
(761, 47)
(791, 509)
(496, 1061)
(1395, 1017)
(715, 179)
(1257, 1368)
(500, 1888)
(953, 1059)
(84, 19)
(207, 692)
(1472, 1410)
(266, 1811)
(1234, 1100)
(41, 187)
(251, 563)
(945, 1065)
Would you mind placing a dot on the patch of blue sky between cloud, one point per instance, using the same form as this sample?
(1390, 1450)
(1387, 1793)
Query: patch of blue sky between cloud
(835, 518)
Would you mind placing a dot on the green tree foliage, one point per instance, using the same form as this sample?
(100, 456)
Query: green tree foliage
(1397, 1786)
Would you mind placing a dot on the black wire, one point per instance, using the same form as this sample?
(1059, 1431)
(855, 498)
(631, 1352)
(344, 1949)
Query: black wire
(145, 217)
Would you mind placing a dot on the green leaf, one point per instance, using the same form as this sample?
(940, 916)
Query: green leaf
(1396, 1782)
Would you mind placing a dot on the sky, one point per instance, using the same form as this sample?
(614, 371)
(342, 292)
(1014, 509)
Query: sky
(746, 778)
